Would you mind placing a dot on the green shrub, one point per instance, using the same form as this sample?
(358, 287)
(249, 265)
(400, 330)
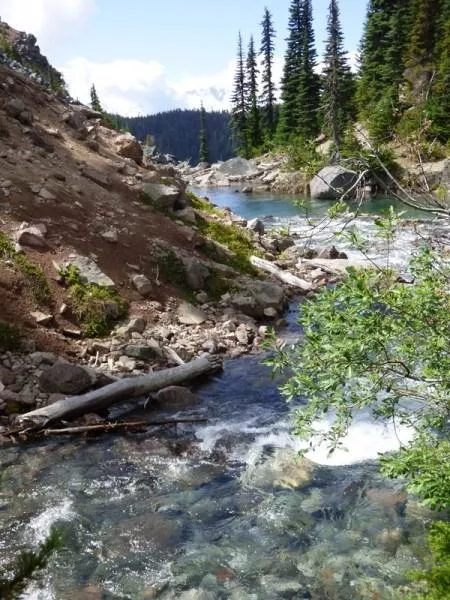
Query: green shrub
(303, 156)
(96, 307)
(237, 240)
(203, 205)
(32, 273)
(10, 336)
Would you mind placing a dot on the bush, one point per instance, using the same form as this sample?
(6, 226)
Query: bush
(96, 307)
(10, 336)
(33, 273)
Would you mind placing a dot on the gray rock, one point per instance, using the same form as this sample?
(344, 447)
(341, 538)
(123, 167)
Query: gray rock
(196, 272)
(90, 271)
(64, 378)
(111, 236)
(42, 318)
(74, 119)
(166, 197)
(190, 315)
(238, 167)
(7, 377)
(257, 226)
(128, 147)
(259, 296)
(150, 351)
(46, 194)
(142, 284)
(32, 237)
(187, 214)
(46, 358)
(126, 363)
(134, 325)
(101, 179)
(331, 182)
(175, 397)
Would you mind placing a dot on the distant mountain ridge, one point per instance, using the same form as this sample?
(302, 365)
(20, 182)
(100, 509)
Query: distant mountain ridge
(177, 132)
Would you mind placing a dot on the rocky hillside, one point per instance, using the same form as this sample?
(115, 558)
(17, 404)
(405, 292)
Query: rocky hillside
(107, 259)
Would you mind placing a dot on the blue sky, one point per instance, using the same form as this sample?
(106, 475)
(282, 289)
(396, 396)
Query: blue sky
(151, 55)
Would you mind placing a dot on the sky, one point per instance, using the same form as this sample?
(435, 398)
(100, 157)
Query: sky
(147, 56)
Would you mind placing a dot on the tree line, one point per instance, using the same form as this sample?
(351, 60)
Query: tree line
(401, 87)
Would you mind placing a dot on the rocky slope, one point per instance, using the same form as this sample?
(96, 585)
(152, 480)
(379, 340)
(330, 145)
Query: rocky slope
(99, 251)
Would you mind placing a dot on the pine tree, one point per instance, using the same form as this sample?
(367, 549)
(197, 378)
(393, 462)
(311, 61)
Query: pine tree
(239, 120)
(422, 36)
(253, 114)
(95, 102)
(308, 92)
(291, 74)
(338, 84)
(382, 52)
(440, 98)
(268, 98)
(203, 152)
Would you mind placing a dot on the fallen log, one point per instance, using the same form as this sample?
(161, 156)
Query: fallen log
(283, 276)
(131, 387)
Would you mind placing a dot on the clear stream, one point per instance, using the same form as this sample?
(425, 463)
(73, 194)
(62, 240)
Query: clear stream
(219, 511)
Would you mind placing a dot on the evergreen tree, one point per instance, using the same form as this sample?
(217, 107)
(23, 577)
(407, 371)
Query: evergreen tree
(440, 98)
(95, 102)
(268, 99)
(422, 36)
(338, 85)
(203, 152)
(253, 114)
(239, 120)
(381, 51)
(308, 93)
(291, 74)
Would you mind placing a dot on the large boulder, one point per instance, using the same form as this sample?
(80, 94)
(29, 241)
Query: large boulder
(332, 182)
(63, 378)
(165, 197)
(128, 147)
(196, 272)
(239, 167)
(259, 296)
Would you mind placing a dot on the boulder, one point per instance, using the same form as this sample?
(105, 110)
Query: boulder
(142, 284)
(32, 237)
(16, 109)
(332, 182)
(196, 272)
(134, 325)
(190, 315)
(257, 226)
(238, 167)
(165, 197)
(42, 318)
(64, 378)
(259, 296)
(89, 270)
(128, 147)
(175, 397)
(149, 351)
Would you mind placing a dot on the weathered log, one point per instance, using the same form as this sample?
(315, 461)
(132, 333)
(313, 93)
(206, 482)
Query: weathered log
(283, 276)
(131, 387)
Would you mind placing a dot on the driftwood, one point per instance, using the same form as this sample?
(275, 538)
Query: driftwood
(283, 276)
(131, 387)
(108, 427)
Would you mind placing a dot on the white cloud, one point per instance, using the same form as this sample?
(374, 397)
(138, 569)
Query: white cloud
(44, 18)
(133, 87)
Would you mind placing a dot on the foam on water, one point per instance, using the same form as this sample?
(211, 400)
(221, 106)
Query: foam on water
(40, 526)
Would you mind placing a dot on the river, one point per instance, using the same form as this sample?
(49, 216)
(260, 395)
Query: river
(215, 511)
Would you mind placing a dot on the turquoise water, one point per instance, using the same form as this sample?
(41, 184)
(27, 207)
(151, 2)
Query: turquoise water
(282, 206)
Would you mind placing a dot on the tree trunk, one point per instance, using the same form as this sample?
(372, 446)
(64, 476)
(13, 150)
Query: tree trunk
(131, 387)
(283, 276)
